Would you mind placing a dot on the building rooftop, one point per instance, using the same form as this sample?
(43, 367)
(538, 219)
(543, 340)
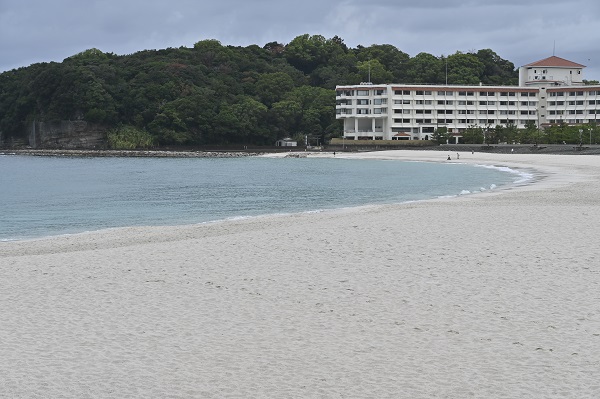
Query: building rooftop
(555, 61)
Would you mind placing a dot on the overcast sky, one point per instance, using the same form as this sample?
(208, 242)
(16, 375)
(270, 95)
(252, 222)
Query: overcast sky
(519, 31)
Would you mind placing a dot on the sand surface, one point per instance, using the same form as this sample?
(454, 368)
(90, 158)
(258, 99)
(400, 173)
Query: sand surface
(494, 295)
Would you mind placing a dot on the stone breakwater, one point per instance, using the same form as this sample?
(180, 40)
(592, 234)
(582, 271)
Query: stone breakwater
(129, 153)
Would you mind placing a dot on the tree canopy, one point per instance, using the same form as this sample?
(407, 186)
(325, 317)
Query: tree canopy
(217, 94)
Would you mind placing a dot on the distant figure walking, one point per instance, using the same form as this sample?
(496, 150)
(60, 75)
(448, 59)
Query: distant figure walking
(448, 158)
(457, 155)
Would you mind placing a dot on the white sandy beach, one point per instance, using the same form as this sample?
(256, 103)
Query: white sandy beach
(494, 295)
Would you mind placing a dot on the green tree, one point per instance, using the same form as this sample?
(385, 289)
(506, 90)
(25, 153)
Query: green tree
(441, 135)
(272, 87)
(464, 69)
(307, 52)
(473, 135)
(375, 71)
(425, 68)
(129, 138)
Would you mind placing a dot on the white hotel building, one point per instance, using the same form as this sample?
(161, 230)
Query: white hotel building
(550, 91)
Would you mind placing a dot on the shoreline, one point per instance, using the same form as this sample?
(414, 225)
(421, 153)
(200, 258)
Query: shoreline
(489, 295)
(128, 153)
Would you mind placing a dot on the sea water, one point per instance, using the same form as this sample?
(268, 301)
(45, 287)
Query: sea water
(44, 196)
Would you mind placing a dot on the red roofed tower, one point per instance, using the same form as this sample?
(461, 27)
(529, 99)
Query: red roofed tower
(551, 71)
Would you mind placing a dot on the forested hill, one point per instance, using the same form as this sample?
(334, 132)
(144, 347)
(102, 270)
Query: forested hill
(217, 94)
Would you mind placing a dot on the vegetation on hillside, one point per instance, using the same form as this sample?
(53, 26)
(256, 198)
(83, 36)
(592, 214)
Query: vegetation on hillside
(213, 94)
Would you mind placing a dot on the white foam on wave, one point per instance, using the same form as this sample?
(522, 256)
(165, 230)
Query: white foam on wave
(523, 177)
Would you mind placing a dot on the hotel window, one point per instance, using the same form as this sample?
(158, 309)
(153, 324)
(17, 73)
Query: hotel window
(419, 92)
(405, 101)
(362, 92)
(579, 102)
(362, 111)
(470, 102)
(362, 102)
(379, 92)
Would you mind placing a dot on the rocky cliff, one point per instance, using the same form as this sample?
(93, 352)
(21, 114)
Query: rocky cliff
(77, 134)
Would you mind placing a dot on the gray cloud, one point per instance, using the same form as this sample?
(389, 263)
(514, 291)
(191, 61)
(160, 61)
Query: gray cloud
(522, 32)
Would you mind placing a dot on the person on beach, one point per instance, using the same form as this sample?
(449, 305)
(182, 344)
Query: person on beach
(448, 158)
(457, 155)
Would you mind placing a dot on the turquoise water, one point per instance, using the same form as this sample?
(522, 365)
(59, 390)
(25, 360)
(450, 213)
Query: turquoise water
(43, 196)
